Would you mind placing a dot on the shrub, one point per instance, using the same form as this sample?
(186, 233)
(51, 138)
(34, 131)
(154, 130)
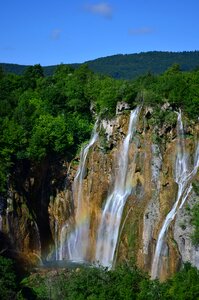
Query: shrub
(7, 279)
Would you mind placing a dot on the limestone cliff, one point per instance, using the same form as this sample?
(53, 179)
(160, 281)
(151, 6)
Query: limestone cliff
(41, 216)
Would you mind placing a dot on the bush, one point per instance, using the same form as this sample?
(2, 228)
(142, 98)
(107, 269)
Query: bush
(184, 285)
(7, 279)
(126, 282)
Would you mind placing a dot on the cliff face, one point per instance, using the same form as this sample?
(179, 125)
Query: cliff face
(24, 221)
(152, 156)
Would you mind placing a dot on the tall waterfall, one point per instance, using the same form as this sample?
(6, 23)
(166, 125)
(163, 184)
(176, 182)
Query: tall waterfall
(77, 242)
(183, 177)
(2, 207)
(112, 212)
(1, 221)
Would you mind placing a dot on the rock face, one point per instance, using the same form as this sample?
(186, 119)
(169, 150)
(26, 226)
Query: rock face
(182, 233)
(40, 217)
(25, 222)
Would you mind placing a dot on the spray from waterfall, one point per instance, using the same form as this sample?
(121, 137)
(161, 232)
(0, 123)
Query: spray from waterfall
(112, 213)
(183, 177)
(76, 246)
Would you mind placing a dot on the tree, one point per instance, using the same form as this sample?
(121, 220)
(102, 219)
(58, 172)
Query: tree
(184, 285)
(175, 68)
(7, 279)
(31, 75)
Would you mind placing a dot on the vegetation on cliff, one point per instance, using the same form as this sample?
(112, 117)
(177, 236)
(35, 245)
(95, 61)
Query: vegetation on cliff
(195, 216)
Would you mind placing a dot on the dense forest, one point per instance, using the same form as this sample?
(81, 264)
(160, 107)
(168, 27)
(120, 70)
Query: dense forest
(51, 116)
(131, 66)
(128, 66)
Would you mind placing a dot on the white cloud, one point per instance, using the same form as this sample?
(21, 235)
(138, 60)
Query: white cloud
(103, 9)
(140, 31)
(55, 34)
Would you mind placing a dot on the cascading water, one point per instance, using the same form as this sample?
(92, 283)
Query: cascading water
(56, 240)
(75, 248)
(183, 178)
(1, 222)
(2, 209)
(61, 251)
(112, 212)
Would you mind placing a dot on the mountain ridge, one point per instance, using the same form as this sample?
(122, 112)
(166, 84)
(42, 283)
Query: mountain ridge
(126, 66)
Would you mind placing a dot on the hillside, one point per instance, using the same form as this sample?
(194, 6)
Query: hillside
(128, 66)
(19, 69)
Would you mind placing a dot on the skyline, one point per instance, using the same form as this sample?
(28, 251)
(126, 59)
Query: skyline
(51, 33)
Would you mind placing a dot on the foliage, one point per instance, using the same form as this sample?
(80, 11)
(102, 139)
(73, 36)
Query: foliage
(162, 117)
(131, 66)
(7, 279)
(195, 216)
(89, 283)
(195, 185)
(34, 286)
(152, 289)
(126, 282)
(104, 93)
(184, 285)
(42, 116)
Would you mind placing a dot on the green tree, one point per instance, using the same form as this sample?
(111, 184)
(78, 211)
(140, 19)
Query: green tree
(184, 285)
(175, 68)
(152, 289)
(49, 134)
(7, 279)
(31, 75)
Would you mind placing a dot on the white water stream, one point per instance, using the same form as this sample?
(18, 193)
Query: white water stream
(183, 177)
(112, 213)
(77, 242)
(1, 223)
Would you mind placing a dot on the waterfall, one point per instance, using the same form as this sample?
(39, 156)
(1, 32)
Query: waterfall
(112, 212)
(2, 210)
(56, 239)
(183, 178)
(77, 242)
(61, 251)
(1, 222)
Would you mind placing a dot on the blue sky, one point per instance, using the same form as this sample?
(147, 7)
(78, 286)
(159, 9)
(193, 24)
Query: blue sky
(63, 31)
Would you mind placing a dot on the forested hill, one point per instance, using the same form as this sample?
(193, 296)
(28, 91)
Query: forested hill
(128, 66)
(20, 69)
